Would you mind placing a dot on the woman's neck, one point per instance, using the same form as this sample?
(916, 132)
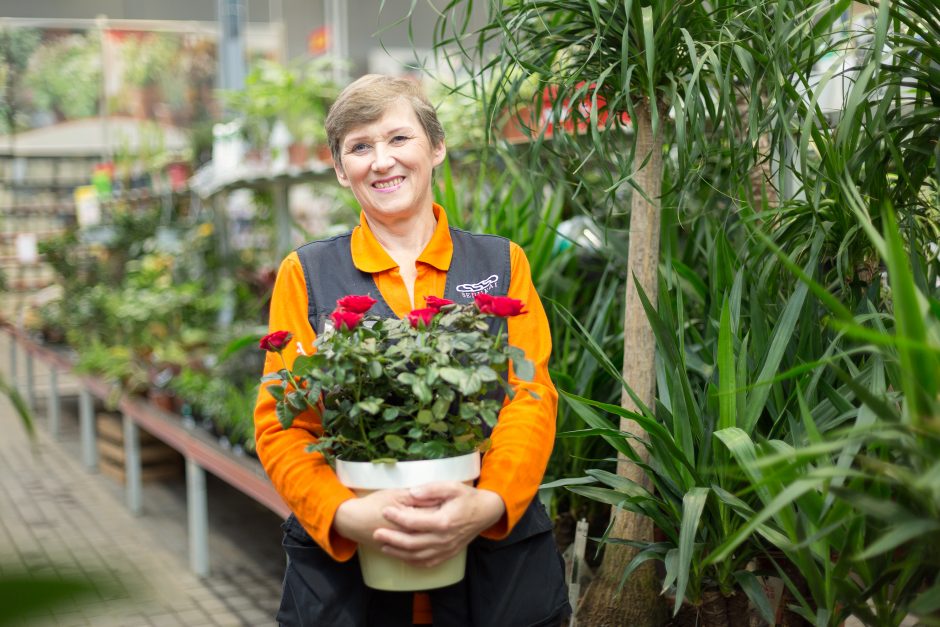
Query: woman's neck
(404, 238)
(404, 241)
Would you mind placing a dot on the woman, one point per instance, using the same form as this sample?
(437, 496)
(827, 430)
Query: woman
(385, 139)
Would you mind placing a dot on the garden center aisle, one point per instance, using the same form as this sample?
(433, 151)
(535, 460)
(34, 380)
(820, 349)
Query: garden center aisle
(58, 519)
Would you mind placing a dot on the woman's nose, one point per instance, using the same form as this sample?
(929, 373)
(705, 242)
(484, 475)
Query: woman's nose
(383, 159)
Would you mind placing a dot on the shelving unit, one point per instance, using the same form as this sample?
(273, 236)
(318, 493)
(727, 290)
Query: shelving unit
(35, 198)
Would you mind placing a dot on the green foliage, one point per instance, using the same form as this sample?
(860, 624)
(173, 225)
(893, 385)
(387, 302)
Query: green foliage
(27, 595)
(856, 508)
(393, 391)
(64, 76)
(150, 58)
(16, 46)
(300, 94)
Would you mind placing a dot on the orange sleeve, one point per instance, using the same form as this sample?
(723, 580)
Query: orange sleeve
(304, 480)
(522, 440)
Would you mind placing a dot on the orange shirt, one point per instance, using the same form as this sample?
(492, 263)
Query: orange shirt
(521, 442)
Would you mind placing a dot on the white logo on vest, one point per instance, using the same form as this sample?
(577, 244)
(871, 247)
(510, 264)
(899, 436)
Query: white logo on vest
(469, 290)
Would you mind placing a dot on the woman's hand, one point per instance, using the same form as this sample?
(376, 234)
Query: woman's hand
(436, 521)
(357, 519)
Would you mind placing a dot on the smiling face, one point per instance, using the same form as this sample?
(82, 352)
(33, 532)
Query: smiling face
(388, 163)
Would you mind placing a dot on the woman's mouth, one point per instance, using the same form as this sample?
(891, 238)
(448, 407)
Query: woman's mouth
(387, 185)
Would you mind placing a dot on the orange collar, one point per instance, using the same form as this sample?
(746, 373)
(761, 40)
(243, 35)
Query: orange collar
(369, 256)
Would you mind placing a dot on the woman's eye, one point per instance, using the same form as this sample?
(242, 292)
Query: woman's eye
(359, 148)
(399, 139)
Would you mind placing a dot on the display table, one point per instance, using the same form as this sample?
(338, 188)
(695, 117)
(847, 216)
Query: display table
(201, 452)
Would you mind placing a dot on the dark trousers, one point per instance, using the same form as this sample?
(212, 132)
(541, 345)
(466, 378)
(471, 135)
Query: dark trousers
(515, 582)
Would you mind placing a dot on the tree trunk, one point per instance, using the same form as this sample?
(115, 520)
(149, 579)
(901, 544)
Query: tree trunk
(638, 603)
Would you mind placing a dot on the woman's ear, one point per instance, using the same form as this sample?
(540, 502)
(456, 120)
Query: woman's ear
(340, 174)
(438, 153)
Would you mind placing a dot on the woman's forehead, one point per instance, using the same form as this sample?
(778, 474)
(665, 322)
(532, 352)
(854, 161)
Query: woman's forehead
(398, 115)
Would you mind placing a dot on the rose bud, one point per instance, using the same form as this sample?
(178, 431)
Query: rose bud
(275, 342)
(421, 318)
(433, 302)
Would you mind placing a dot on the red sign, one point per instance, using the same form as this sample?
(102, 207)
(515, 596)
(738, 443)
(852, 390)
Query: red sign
(318, 41)
(523, 125)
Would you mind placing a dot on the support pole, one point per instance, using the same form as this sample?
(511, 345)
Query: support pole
(54, 404)
(30, 381)
(132, 466)
(14, 379)
(198, 509)
(282, 217)
(86, 418)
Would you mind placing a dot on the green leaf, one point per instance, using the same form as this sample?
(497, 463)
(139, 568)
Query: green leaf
(276, 391)
(440, 407)
(375, 369)
(524, 369)
(297, 400)
(454, 376)
(422, 391)
(394, 442)
(927, 602)
(602, 495)
(898, 534)
(693, 503)
(285, 414)
(726, 370)
(371, 405)
(755, 593)
(561, 483)
(425, 417)
(619, 483)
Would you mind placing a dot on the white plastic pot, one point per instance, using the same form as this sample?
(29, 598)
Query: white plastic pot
(380, 571)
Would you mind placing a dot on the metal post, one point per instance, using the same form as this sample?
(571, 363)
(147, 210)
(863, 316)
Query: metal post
(13, 365)
(86, 418)
(198, 510)
(336, 18)
(54, 404)
(132, 465)
(231, 44)
(281, 216)
(30, 381)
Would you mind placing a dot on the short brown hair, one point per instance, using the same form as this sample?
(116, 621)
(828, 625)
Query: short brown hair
(366, 99)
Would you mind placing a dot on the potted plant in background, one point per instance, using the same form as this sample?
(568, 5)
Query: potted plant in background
(297, 95)
(402, 401)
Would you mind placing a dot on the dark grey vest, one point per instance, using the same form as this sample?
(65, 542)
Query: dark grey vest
(480, 265)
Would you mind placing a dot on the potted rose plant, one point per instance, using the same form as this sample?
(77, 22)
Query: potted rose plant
(403, 402)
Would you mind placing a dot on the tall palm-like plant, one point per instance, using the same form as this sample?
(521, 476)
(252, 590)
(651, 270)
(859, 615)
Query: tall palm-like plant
(678, 70)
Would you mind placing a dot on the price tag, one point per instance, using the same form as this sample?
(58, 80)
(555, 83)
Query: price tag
(27, 248)
(87, 207)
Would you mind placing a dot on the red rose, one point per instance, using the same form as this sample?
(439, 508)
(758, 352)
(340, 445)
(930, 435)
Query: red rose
(501, 306)
(356, 303)
(275, 342)
(421, 318)
(344, 319)
(482, 301)
(436, 303)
